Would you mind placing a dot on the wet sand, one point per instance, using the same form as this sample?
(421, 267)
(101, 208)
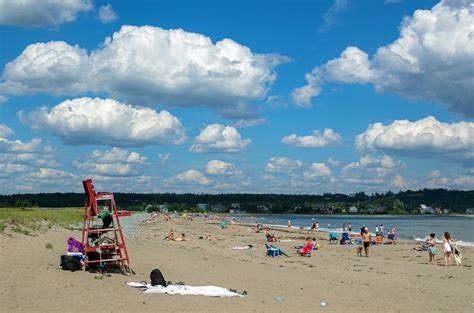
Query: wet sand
(393, 279)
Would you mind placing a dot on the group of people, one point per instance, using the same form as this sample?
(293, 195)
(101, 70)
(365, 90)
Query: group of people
(310, 245)
(448, 249)
(171, 237)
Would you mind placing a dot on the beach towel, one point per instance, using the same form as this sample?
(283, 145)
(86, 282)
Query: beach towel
(457, 255)
(74, 245)
(209, 291)
(242, 247)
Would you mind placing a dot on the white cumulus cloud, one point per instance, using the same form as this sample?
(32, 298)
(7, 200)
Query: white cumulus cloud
(373, 172)
(190, 177)
(333, 162)
(106, 121)
(149, 66)
(318, 170)
(41, 13)
(216, 167)
(107, 14)
(429, 61)
(219, 138)
(315, 140)
(114, 162)
(252, 122)
(53, 67)
(5, 131)
(425, 138)
(282, 165)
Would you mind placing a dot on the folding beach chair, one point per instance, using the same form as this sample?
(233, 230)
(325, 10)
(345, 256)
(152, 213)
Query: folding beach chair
(332, 237)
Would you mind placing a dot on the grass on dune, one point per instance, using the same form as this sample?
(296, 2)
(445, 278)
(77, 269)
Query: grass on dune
(33, 218)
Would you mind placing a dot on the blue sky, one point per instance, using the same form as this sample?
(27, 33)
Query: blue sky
(236, 96)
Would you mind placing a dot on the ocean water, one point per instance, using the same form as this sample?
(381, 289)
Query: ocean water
(407, 226)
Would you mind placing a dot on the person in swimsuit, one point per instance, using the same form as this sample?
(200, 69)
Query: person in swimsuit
(349, 227)
(432, 250)
(317, 226)
(170, 235)
(447, 249)
(181, 238)
(367, 239)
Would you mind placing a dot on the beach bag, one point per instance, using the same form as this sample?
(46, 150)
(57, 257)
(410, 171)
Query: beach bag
(71, 263)
(273, 252)
(157, 278)
(433, 250)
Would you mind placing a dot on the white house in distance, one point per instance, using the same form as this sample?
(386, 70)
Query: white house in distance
(424, 209)
(353, 209)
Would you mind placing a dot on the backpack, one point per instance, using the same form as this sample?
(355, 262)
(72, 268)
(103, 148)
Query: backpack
(71, 263)
(157, 278)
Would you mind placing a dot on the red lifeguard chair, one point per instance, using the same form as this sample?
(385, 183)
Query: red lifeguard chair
(102, 236)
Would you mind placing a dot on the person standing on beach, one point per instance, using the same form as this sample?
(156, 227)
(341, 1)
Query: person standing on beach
(317, 226)
(447, 249)
(367, 239)
(289, 223)
(349, 227)
(362, 230)
(343, 227)
(432, 250)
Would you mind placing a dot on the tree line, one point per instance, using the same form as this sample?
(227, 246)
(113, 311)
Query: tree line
(402, 202)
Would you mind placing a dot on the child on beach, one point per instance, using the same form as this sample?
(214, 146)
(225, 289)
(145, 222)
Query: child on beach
(447, 249)
(306, 250)
(432, 250)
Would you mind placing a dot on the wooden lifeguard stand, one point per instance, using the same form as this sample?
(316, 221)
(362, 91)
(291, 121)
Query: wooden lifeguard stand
(103, 242)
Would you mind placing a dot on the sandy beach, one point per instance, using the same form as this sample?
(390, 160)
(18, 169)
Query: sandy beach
(393, 279)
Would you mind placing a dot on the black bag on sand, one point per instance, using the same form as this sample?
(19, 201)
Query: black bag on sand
(157, 278)
(71, 263)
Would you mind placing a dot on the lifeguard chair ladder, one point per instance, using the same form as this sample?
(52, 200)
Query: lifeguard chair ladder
(114, 252)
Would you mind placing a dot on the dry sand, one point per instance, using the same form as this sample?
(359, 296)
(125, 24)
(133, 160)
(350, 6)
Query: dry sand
(393, 279)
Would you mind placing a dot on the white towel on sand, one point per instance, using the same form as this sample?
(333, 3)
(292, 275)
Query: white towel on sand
(210, 291)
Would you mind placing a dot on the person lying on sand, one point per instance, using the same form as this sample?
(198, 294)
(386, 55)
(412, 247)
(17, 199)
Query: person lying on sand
(181, 238)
